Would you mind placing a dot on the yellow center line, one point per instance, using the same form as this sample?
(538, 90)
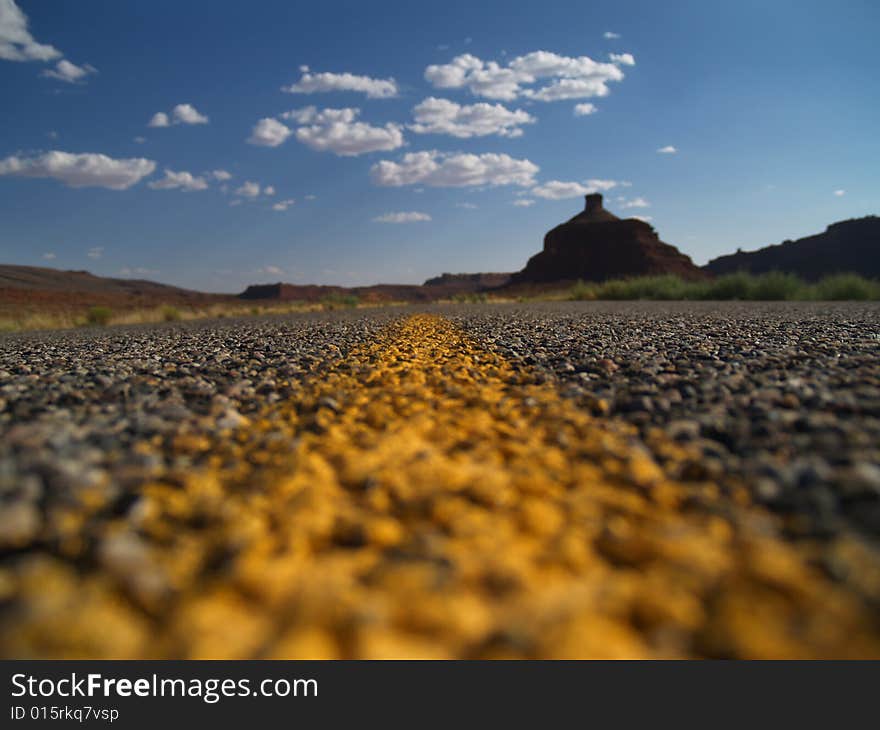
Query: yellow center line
(422, 498)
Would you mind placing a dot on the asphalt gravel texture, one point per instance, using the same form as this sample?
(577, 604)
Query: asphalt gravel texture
(780, 398)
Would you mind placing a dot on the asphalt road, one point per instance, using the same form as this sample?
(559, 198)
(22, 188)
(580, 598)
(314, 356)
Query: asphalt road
(302, 486)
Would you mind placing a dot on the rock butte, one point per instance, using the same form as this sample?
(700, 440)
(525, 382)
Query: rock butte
(596, 245)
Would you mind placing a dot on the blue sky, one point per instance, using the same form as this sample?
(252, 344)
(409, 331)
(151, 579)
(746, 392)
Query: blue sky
(467, 146)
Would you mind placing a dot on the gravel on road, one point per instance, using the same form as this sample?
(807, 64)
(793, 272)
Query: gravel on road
(777, 405)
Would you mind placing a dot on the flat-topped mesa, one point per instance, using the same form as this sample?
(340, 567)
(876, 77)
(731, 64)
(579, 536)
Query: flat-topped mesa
(596, 245)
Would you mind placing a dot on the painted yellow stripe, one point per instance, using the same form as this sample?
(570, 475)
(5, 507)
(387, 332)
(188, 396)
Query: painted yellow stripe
(422, 498)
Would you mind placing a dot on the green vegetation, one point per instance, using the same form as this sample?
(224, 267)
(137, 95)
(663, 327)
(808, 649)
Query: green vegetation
(170, 314)
(99, 316)
(772, 286)
(340, 301)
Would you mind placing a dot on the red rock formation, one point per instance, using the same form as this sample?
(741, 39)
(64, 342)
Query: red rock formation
(847, 246)
(596, 245)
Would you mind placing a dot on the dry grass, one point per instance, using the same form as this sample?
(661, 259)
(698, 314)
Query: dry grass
(17, 320)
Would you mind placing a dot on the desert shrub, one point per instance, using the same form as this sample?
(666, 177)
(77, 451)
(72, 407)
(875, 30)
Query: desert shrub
(256, 310)
(846, 287)
(582, 292)
(777, 286)
(99, 315)
(170, 314)
(729, 286)
(340, 301)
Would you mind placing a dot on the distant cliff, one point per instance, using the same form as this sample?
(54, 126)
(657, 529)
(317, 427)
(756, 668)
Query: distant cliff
(847, 246)
(469, 282)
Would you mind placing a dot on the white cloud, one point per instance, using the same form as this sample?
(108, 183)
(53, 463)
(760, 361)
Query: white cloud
(466, 206)
(95, 252)
(48, 256)
(840, 193)
(80, 170)
(248, 190)
(624, 59)
(186, 181)
(16, 42)
(221, 175)
(570, 77)
(311, 197)
(441, 116)
(411, 217)
(159, 119)
(140, 140)
(71, 73)
(283, 204)
(187, 114)
(585, 109)
(523, 203)
(270, 269)
(610, 35)
(635, 203)
(667, 150)
(338, 131)
(643, 218)
(438, 169)
(251, 190)
(269, 132)
(312, 83)
(559, 190)
(181, 114)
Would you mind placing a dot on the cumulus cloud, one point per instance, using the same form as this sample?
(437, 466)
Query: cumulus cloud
(667, 150)
(159, 119)
(187, 114)
(48, 256)
(624, 59)
(635, 203)
(95, 252)
(221, 175)
(524, 202)
(566, 77)
(16, 42)
(311, 197)
(181, 114)
(438, 169)
(643, 218)
(840, 193)
(314, 83)
(251, 190)
(338, 131)
(71, 73)
(270, 269)
(283, 204)
(585, 109)
(80, 170)
(610, 35)
(409, 217)
(269, 132)
(442, 116)
(140, 140)
(186, 181)
(559, 190)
